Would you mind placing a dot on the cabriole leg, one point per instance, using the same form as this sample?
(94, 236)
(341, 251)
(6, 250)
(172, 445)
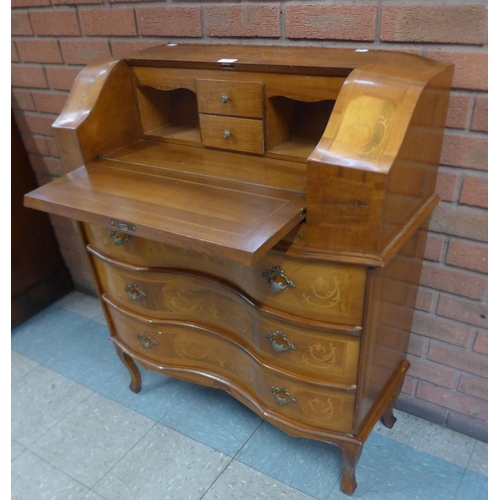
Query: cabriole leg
(351, 452)
(135, 374)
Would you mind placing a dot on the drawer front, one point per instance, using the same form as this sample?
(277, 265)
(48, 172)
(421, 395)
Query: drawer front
(222, 97)
(235, 134)
(323, 291)
(206, 351)
(320, 353)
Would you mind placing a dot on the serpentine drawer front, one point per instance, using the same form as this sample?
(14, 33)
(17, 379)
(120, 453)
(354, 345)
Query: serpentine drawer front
(255, 220)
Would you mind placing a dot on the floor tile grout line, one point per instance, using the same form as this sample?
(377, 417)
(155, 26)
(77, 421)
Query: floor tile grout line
(219, 475)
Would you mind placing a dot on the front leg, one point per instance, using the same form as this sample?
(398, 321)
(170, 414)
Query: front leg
(351, 452)
(135, 374)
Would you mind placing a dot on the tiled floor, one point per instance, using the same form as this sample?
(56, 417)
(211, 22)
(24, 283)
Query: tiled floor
(78, 432)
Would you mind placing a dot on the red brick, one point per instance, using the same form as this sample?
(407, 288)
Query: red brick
(22, 99)
(458, 111)
(120, 47)
(466, 222)
(29, 3)
(44, 179)
(71, 255)
(14, 56)
(481, 343)
(80, 272)
(463, 360)
(76, 2)
(36, 50)
(462, 24)
(465, 151)
(83, 51)
(425, 299)
(36, 123)
(61, 78)
(331, 22)
(409, 385)
(475, 191)
(454, 281)
(35, 144)
(430, 372)
(28, 76)
(135, 1)
(453, 401)
(169, 21)
(468, 256)
(477, 387)
(446, 185)
(463, 311)
(480, 116)
(417, 345)
(441, 329)
(55, 22)
(243, 21)
(471, 68)
(47, 102)
(53, 150)
(46, 166)
(108, 22)
(67, 239)
(20, 24)
(434, 248)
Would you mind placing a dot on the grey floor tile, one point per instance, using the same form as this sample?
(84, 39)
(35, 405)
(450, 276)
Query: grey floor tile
(430, 438)
(39, 400)
(240, 482)
(34, 479)
(388, 470)
(92, 495)
(84, 305)
(214, 418)
(163, 465)
(307, 465)
(92, 438)
(158, 394)
(20, 365)
(479, 459)
(15, 449)
(473, 487)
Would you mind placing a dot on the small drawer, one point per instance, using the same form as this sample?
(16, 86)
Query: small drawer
(222, 97)
(235, 134)
(202, 350)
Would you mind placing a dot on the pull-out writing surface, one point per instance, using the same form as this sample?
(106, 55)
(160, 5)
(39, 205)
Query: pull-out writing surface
(236, 220)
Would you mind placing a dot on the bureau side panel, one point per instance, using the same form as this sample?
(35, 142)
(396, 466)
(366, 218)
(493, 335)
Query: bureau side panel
(391, 296)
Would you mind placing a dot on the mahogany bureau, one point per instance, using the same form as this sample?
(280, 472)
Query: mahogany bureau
(255, 220)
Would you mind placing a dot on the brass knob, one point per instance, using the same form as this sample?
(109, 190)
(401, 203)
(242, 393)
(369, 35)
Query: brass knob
(134, 292)
(226, 134)
(277, 280)
(120, 238)
(280, 345)
(224, 98)
(282, 395)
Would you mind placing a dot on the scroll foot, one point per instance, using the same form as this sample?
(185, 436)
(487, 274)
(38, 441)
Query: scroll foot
(351, 452)
(135, 374)
(388, 419)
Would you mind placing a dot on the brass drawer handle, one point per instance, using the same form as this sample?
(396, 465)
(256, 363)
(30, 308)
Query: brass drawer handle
(146, 341)
(278, 392)
(279, 346)
(120, 238)
(277, 285)
(134, 292)
(224, 98)
(226, 134)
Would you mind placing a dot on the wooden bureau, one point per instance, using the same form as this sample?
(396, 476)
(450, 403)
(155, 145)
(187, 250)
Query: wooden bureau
(255, 220)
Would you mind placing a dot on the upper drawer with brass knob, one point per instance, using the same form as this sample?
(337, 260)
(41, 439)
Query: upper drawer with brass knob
(222, 97)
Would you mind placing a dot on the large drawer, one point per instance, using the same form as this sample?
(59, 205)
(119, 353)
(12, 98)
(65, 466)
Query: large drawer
(172, 344)
(321, 290)
(325, 353)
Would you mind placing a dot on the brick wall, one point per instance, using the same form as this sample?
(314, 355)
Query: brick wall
(53, 39)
